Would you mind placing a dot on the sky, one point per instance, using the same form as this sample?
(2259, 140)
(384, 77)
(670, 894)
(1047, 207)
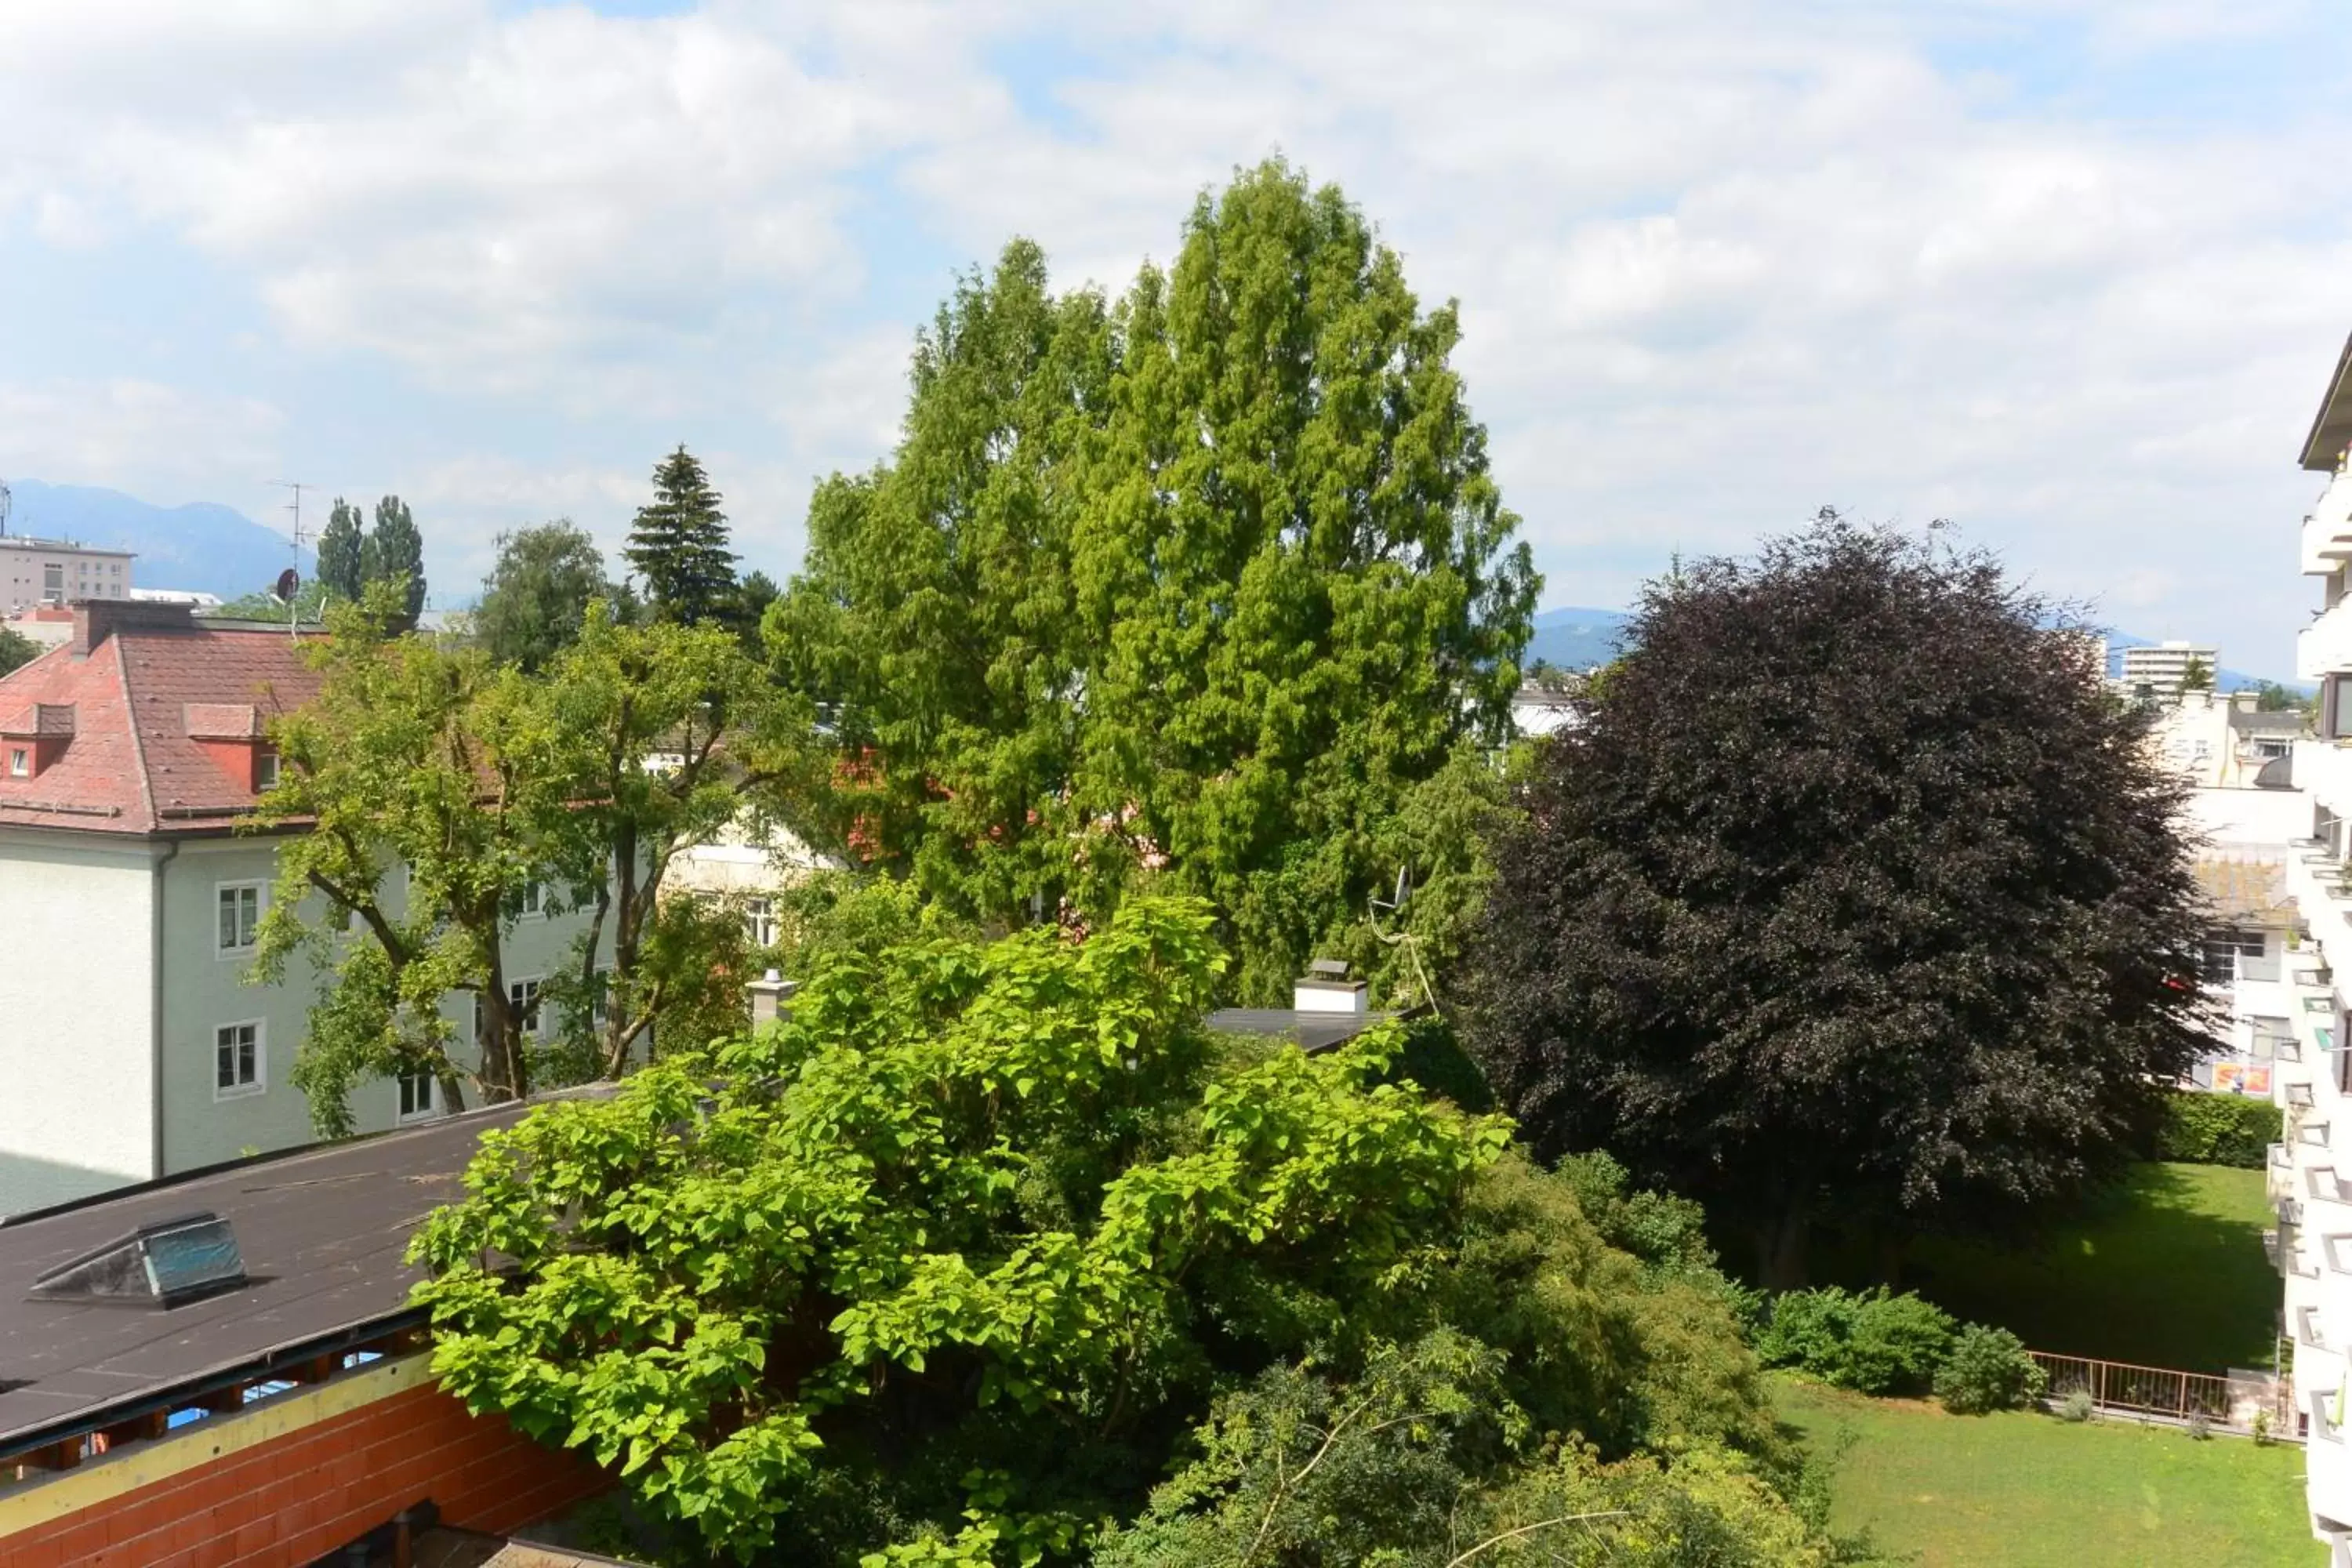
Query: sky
(2069, 273)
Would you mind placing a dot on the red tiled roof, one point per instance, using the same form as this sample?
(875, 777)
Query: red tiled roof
(140, 698)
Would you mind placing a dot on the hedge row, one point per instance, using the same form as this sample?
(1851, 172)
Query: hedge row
(2217, 1128)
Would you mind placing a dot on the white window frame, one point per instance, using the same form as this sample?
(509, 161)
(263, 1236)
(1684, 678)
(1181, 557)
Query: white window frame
(265, 768)
(260, 1084)
(534, 900)
(20, 762)
(760, 921)
(537, 1029)
(260, 890)
(430, 1106)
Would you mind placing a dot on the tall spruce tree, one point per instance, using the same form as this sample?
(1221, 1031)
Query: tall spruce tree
(1215, 585)
(1850, 901)
(679, 545)
(342, 552)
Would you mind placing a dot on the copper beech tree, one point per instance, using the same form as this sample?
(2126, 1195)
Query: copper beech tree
(1855, 896)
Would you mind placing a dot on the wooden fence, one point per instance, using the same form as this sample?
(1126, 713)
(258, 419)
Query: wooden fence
(2161, 1394)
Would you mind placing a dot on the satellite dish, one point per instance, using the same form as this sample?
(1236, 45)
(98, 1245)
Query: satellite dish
(289, 581)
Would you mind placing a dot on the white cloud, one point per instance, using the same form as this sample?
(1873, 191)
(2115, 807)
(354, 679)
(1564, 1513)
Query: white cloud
(123, 430)
(1720, 260)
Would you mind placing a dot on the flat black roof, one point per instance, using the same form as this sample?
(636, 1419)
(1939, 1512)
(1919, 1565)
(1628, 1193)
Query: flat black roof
(322, 1231)
(1312, 1031)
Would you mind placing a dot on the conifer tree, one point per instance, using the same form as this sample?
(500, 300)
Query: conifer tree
(679, 545)
(343, 551)
(398, 550)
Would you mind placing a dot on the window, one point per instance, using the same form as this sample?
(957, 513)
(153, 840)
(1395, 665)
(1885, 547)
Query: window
(522, 995)
(237, 1060)
(265, 770)
(53, 581)
(2224, 945)
(533, 902)
(760, 921)
(417, 1096)
(240, 917)
(20, 762)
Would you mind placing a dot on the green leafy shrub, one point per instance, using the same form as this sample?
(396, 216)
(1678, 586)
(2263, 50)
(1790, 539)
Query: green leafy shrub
(959, 1261)
(1872, 1342)
(2077, 1406)
(2217, 1128)
(1987, 1370)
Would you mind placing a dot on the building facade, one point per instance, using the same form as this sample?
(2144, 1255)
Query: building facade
(137, 1047)
(2310, 1173)
(2217, 740)
(56, 571)
(2160, 670)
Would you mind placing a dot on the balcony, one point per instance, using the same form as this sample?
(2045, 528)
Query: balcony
(2325, 647)
(2328, 530)
(2324, 768)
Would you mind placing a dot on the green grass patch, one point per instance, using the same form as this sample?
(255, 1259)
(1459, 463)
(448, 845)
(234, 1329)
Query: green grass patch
(2022, 1489)
(2165, 1270)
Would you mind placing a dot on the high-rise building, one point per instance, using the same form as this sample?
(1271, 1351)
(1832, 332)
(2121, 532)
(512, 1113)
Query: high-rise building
(2161, 670)
(2310, 1171)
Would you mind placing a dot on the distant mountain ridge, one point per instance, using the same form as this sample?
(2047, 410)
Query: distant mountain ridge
(201, 546)
(1578, 636)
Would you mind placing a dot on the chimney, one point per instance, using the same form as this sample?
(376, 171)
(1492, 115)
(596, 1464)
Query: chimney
(95, 620)
(1326, 988)
(771, 999)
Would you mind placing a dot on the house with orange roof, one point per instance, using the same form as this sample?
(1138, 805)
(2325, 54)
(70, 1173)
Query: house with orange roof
(134, 1047)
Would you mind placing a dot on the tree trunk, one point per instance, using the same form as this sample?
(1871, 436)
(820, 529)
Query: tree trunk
(1781, 1248)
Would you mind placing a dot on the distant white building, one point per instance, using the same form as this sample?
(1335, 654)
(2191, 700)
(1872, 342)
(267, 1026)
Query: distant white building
(195, 597)
(2158, 670)
(54, 571)
(747, 867)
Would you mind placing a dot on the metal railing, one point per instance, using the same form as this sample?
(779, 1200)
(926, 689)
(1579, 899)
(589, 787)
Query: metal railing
(2161, 1394)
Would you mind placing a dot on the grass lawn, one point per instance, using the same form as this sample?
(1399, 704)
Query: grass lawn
(2165, 1271)
(2026, 1491)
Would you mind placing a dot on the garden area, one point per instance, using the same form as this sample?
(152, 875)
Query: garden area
(2186, 1236)
(2026, 1489)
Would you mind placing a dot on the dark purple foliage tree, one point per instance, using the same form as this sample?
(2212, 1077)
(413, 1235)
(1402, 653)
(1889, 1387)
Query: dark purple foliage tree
(1854, 898)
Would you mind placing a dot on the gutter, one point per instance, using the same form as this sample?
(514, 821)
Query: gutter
(155, 1007)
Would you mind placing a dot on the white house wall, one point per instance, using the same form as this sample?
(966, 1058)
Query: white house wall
(205, 991)
(77, 1040)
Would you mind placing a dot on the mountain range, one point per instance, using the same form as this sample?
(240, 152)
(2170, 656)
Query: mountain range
(1575, 637)
(217, 550)
(208, 548)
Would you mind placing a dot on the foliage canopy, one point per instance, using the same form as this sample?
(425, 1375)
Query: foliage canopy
(1214, 581)
(1851, 894)
(950, 1266)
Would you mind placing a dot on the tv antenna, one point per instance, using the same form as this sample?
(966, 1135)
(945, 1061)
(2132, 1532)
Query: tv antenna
(290, 582)
(7, 504)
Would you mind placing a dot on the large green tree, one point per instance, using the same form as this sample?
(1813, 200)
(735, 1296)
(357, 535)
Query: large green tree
(679, 545)
(342, 552)
(951, 1266)
(421, 776)
(1851, 900)
(538, 592)
(394, 552)
(1212, 583)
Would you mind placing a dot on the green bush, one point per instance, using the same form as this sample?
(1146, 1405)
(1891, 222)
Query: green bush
(2217, 1128)
(1987, 1370)
(1872, 1342)
(2077, 1406)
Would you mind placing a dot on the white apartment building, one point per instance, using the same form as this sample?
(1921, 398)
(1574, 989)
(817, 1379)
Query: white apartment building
(56, 571)
(2310, 1174)
(2159, 669)
(135, 1047)
(2214, 740)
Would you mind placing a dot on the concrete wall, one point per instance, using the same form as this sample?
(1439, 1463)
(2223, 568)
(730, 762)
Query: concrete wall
(204, 991)
(77, 1041)
(290, 1481)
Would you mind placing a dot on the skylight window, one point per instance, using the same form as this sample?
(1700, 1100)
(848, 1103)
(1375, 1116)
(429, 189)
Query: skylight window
(158, 1265)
